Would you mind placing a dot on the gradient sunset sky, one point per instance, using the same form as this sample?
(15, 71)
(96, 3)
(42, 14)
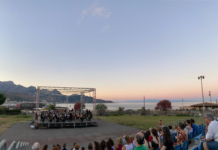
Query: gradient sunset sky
(124, 49)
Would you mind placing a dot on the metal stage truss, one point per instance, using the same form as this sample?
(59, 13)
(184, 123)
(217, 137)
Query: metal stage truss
(67, 91)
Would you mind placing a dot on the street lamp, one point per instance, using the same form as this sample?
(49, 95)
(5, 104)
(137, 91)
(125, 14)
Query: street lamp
(200, 78)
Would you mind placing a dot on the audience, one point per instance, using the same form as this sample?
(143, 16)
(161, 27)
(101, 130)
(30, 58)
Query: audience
(167, 139)
(139, 141)
(189, 126)
(171, 129)
(90, 146)
(154, 143)
(119, 144)
(96, 146)
(146, 140)
(211, 142)
(108, 145)
(154, 138)
(77, 147)
(64, 147)
(36, 146)
(181, 134)
(55, 148)
(195, 127)
(128, 145)
(112, 143)
(45, 147)
(103, 145)
(58, 146)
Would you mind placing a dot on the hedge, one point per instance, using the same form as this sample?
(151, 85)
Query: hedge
(10, 112)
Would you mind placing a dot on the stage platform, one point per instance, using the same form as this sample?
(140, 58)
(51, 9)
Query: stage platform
(73, 124)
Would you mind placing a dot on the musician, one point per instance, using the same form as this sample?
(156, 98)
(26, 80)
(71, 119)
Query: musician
(82, 117)
(77, 116)
(42, 117)
(89, 115)
(51, 117)
(71, 116)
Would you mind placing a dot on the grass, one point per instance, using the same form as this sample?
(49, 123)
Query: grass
(145, 122)
(7, 120)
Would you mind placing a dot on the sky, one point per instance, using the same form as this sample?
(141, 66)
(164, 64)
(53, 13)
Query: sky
(124, 49)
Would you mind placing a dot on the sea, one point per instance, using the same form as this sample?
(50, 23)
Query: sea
(133, 106)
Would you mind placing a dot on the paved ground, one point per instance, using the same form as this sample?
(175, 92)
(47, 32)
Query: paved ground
(83, 136)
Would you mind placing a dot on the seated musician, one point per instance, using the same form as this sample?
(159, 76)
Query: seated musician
(89, 115)
(82, 116)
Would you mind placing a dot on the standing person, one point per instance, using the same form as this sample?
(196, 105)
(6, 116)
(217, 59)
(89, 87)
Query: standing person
(154, 143)
(211, 141)
(64, 147)
(139, 141)
(167, 139)
(128, 145)
(146, 140)
(160, 123)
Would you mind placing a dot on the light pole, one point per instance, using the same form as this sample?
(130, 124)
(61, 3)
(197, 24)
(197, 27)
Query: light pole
(200, 78)
(210, 99)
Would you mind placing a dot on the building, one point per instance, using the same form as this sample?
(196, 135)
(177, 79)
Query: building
(206, 105)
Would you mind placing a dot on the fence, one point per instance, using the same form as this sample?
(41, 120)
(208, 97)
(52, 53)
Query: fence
(14, 146)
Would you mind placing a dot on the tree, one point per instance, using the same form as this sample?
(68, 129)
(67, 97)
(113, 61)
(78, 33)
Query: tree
(101, 108)
(2, 99)
(17, 106)
(77, 106)
(163, 105)
(51, 107)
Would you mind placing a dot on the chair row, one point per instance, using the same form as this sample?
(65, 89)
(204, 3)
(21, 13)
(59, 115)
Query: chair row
(14, 146)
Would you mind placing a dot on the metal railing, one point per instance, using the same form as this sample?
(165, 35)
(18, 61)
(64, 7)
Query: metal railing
(14, 146)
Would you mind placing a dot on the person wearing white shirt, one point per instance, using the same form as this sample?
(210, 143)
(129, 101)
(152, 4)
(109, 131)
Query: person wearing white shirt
(211, 140)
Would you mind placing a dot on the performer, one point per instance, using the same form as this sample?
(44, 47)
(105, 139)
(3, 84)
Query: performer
(89, 115)
(82, 116)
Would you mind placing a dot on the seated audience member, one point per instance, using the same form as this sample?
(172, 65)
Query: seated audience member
(74, 146)
(181, 134)
(171, 130)
(189, 126)
(195, 127)
(45, 147)
(139, 141)
(59, 147)
(128, 145)
(175, 129)
(167, 139)
(146, 140)
(77, 147)
(55, 148)
(150, 137)
(103, 144)
(132, 140)
(64, 147)
(112, 143)
(154, 143)
(108, 146)
(36, 146)
(159, 131)
(211, 142)
(83, 148)
(90, 146)
(124, 142)
(119, 144)
(96, 146)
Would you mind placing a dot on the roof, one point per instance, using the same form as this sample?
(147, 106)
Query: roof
(206, 104)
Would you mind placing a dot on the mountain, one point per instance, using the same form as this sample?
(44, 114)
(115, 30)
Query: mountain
(20, 93)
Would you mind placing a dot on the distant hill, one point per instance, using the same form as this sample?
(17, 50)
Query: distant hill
(18, 92)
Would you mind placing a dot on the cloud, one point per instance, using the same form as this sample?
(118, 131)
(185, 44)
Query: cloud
(105, 28)
(95, 11)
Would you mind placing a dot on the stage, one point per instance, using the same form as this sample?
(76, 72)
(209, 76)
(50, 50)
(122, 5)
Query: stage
(73, 124)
